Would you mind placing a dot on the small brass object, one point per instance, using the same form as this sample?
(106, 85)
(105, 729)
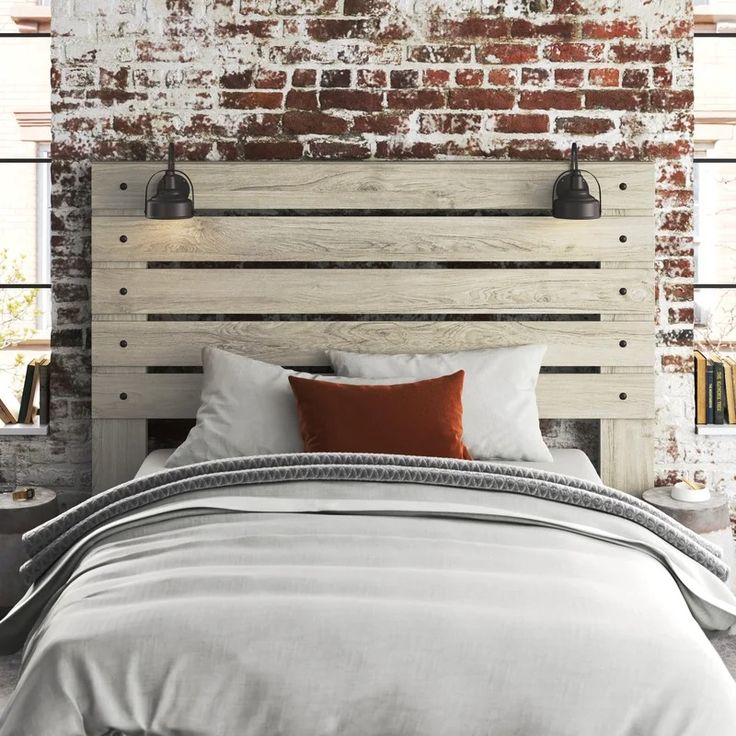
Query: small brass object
(24, 494)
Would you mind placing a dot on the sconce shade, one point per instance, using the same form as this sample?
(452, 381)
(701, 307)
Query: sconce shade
(174, 197)
(571, 197)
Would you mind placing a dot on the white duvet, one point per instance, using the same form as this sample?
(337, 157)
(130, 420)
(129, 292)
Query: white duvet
(398, 609)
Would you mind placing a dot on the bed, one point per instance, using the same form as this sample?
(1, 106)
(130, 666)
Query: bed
(334, 593)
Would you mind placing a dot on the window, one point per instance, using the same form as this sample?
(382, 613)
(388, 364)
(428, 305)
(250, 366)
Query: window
(25, 219)
(715, 175)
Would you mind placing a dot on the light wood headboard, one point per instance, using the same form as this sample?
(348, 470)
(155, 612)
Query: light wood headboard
(479, 272)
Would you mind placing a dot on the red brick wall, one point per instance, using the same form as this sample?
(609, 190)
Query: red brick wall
(285, 79)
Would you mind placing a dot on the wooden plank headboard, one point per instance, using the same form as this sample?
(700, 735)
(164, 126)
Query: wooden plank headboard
(372, 280)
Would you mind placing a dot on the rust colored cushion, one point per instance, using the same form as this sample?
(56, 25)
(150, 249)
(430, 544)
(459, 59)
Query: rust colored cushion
(420, 418)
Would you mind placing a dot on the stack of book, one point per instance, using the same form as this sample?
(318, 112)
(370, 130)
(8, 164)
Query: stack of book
(34, 399)
(715, 389)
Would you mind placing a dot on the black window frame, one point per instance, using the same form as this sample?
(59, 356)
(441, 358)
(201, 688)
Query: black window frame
(720, 160)
(28, 160)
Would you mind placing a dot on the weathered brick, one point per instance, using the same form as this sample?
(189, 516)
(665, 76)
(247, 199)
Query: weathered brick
(638, 78)
(420, 99)
(271, 149)
(335, 78)
(481, 99)
(434, 54)
(326, 29)
(237, 80)
(507, 53)
(252, 100)
(338, 149)
(471, 27)
(604, 77)
(533, 77)
(350, 99)
(616, 99)
(372, 78)
(583, 125)
(613, 29)
(449, 123)
(517, 123)
(269, 79)
(502, 77)
(404, 78)
(574, 52)
(550, 100)
(469, 77)
(436, 77)
(624, 53)
(304, 78)
(302, 99)
(381, 123)
(305, 121)
(569, 77)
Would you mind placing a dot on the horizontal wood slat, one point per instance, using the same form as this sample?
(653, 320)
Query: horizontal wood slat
(304, 343)
(371, 291)
(372, 239)
(392, 185)
(564, 396)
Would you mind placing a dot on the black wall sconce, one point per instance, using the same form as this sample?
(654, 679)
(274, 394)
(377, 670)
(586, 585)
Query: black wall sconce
(571, 197)
(174, 197)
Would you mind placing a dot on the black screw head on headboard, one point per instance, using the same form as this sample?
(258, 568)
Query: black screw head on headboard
(623, 291)
(622, 343)
(123, 396)
(123, 185)
(621, 239)
(123, 238)
(623, 396)
(123, 291)
(623, 185)
(123, 343)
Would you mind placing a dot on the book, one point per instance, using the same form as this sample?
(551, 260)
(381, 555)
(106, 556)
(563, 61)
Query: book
(709, 392)
(27, 395)
(701, 401)
(9, 407)
(719, 392)
(730, 414)
(44, 392)
(35, 402)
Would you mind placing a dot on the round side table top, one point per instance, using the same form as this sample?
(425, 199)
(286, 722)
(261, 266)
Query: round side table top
(41, 496)
(17, 517)
(702, 517)
(661, 497)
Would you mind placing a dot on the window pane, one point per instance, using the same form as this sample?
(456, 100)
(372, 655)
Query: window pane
(715, 319)
(715, 223)
(24, 213)
(25, 93)
(715, 96)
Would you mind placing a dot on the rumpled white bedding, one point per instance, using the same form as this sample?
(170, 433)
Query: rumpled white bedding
(399, 609)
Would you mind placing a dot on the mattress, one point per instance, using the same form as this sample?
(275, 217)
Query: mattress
(574, 463)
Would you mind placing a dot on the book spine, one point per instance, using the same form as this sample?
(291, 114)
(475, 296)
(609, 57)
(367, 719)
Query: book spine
(709, 393)
(720, 393)
(44, 394)
(27, 388)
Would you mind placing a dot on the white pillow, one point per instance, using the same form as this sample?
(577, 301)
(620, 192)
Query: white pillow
(247, 408)
(500, 416)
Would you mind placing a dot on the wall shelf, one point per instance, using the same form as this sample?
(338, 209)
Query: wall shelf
(716, 429)
(24, 430)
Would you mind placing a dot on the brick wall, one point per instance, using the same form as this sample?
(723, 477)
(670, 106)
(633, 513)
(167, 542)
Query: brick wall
(285, 79)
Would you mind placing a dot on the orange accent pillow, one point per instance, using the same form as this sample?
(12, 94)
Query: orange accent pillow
(420, 418)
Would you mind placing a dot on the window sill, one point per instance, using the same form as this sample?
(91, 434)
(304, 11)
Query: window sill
(715, 429)
(24, 430)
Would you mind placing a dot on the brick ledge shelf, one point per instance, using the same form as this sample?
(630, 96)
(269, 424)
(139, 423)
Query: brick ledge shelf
(715, 429)
(19, 430)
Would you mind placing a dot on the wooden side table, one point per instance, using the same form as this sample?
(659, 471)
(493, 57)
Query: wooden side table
(16, 518)
(709, 518)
